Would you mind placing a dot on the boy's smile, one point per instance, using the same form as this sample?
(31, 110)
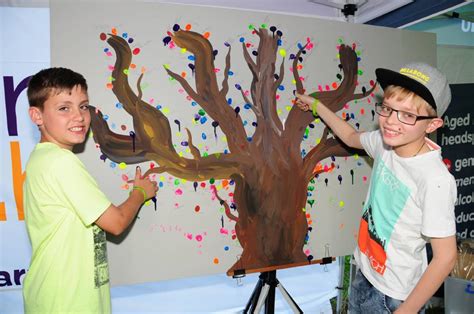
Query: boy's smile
(405, 139)
(64, 119)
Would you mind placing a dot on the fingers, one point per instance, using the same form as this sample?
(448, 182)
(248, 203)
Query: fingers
(138, 172)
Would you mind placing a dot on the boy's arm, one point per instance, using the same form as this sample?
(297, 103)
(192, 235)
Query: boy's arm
(116, 219)
(444, 258)
(341, 128)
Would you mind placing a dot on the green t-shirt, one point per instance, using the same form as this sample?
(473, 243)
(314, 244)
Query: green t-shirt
(68, 271)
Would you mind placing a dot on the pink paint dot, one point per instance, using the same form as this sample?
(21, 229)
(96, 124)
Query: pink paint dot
(199, 238)
(224, 231)
(178, 192)
(189, 236)
(364, 178)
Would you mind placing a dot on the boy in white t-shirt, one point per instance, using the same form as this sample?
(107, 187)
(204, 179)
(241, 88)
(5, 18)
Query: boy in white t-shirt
(411, 196)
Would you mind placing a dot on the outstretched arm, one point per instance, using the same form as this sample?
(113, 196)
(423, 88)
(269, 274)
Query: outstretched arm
(341, 128)
(116, 219)
(444, 258)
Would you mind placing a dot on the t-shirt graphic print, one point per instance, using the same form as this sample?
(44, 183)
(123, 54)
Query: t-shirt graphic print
(388, 196)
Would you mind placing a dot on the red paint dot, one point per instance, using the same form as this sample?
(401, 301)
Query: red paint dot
(103, 36)
(234, 237)
(203, 184)
(136, 51)
(197, 208)
(123, 127)
(334, 85)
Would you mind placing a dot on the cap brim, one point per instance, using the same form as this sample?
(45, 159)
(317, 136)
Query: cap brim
(387, 77)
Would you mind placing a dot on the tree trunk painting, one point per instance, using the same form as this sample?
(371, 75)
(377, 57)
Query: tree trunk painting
(271, 174)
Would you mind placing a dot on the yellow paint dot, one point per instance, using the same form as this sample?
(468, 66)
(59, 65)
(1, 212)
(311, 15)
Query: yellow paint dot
(293, 82)
(147, 203)
(341, 204)
(167, 66)
(216, 261)
(183, 50)
(122, 165)
(317, 120)
(166, 110)
(318, 140)
(224, 139)
(279, 112)
(283, 53)
(188, 150)
(162, 178)
(180, 154)
(184, 181)
(288, 108)
(356, 156)
(303, 209)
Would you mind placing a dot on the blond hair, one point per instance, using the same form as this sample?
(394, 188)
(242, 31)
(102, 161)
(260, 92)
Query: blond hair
(402, 93)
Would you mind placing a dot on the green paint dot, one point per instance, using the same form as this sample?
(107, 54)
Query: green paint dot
(251, 26)
(201, 112)
(263, 26)
(212, 180)
(312, 181)
(340, 40)
(358, 53)
(360, 72)
(205, 154)
(176, 182)
(221, 209)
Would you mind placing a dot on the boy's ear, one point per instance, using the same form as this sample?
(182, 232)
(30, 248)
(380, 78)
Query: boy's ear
(434, 124)
(36, 115)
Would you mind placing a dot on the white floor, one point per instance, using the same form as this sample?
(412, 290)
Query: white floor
(310, 286)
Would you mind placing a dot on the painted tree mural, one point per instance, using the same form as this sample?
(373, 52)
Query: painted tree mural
(271, 176)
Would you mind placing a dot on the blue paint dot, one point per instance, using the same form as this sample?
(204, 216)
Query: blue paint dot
(203, 120)
(204, 136)
(226, 248)
(279, 42)
(241, 39)
(125, 35)
(281, 87)
(226, 151)
(161, 184)
(106, 117)
(191, 57)
(245, 122)
(230, 73)
(106, 49)
(158, 107)
(113, 164)
(113, 126)
(193, 103)
(249, 138)
(229, 101)
(118, 105)
(130, 40)
(247, 106)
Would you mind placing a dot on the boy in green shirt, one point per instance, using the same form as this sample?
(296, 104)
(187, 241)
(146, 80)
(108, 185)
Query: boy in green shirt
(66, 214)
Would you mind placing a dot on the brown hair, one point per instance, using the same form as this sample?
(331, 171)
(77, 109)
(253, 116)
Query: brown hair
(47, 81)
(402, 93)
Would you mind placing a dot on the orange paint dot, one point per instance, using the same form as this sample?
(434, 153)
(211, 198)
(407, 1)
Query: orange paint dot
(216, 261)
(206, 35)
(334, 85)
(225, 183)
(310, 222)
(362, 111)
(187, 27)
(133, 66)
(183, 74)
(110, 85)
(114, 31)
(343, 115)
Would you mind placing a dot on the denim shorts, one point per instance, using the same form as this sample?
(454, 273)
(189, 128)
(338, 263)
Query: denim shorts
(364, 298)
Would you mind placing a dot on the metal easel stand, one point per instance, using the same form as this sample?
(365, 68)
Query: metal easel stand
(264, 294)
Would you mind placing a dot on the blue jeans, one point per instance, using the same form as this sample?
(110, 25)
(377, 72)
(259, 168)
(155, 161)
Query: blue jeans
(364, 298)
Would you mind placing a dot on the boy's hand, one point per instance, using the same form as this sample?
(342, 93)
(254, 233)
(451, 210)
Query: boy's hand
(150, 187)
(304, 101)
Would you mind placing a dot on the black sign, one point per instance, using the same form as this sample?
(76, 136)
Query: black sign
(456, 138)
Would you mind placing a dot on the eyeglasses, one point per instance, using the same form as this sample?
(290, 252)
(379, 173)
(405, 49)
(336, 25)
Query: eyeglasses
(403, 116)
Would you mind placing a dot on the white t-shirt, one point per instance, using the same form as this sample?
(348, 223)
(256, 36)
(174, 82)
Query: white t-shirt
(409, 200)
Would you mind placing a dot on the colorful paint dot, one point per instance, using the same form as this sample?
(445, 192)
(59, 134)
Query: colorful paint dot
(122, 165)
(216, 261)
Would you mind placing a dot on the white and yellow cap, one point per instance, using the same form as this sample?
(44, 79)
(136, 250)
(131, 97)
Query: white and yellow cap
(422, 79)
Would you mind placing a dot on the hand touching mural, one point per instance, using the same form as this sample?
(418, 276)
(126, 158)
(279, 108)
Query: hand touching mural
(271, 176)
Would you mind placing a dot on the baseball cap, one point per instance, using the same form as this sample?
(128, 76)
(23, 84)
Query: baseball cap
(422, 79)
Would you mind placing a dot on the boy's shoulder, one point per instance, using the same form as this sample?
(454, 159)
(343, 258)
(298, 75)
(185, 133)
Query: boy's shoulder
(47, 156)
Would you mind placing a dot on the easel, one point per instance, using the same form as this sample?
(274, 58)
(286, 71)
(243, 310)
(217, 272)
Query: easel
(264, 293)
(265, 289)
